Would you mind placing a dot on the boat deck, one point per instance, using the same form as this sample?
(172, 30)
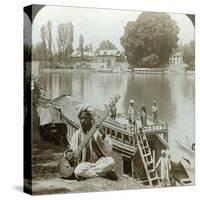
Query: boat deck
(120, 131)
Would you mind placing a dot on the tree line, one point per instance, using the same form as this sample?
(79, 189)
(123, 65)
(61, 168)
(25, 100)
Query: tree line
(46, 50)
(188, 52)
(147, 42)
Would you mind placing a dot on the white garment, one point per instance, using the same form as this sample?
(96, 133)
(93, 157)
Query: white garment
(131, 113)
(165, 167)
(98, 165)
(154, 109)
(91, 170)
(155, 113)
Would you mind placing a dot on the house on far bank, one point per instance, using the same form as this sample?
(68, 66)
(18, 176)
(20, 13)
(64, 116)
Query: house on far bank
(176, 58)
(103, 59)
(108, 58)
(176, 63)
(82, 63)
(76, 56)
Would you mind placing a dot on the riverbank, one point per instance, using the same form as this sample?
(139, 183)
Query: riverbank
(139, 71)
(46, 179)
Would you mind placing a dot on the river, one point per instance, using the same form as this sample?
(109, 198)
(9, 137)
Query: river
(175, 95)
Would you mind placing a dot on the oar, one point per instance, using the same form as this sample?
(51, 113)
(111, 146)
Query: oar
(188, 142)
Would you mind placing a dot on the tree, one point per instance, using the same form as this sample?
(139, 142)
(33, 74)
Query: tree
(64, 41)
(43, 44)
(106, 45)
(70, 39)
(90, 47)
(37, 51)
(81, 42)
(189, 53)
(49, 39)
(151, 34)
(86, 48)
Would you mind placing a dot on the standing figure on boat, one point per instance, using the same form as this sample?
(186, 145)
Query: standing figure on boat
(94, 160)
(155, 112)
(143, 114)
(131, 113)
(113, 113)
(165, 167)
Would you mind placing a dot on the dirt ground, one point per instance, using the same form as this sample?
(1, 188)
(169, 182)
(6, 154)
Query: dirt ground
(46, 179)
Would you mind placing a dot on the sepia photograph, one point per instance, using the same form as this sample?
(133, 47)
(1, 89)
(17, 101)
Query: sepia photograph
(109, 99)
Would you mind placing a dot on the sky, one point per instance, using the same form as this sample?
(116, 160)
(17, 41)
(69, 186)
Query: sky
(97, 25)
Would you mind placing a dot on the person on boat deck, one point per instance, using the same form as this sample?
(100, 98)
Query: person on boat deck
(165, 167)
(155, 112)
(94, 159)
(143, 114)
(131, 113)
(113, 113)
(193, 147)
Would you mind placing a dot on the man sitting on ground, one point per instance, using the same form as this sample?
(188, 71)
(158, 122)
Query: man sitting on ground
(94, 160)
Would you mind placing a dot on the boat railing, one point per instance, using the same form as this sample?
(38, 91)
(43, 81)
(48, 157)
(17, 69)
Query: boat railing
(156, 127)
(149, 118)
(120, 131)
(160, 125)
(117, 124)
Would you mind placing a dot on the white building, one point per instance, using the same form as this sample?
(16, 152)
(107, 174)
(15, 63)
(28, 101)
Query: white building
(176, 58)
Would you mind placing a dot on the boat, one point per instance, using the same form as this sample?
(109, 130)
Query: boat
(111, 69)
(127, 141)
(187, 150)
(127, 70)
(179, 173)
(105, 70)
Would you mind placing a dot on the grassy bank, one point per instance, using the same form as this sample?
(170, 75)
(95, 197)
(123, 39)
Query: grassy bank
(46, 179)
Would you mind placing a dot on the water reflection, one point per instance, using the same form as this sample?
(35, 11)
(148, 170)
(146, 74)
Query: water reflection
(175, 95)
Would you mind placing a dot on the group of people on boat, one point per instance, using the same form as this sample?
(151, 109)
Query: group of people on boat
(131, 114)
(143, 113)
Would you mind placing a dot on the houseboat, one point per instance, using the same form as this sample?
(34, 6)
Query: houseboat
(135, 149)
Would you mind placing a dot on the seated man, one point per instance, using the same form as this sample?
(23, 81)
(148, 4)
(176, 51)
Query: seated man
(94, 159)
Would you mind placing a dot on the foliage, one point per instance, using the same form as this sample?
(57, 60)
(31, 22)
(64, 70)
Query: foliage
(106, 45)
(49, 40)
(87, 48)
(46, 50)
(81, 42)
(189, 53)
(43, 43)
(43, 50)
(151, 61)
(151, 34)
(64, 41)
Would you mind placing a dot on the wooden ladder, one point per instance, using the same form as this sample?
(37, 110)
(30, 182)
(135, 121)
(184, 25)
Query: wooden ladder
(147, 158)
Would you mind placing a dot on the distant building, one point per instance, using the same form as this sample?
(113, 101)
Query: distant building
(87, 56)
(176, 58)
(110, 57)
(102, 59)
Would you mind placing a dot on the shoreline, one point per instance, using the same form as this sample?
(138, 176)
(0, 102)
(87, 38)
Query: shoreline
(120, 72)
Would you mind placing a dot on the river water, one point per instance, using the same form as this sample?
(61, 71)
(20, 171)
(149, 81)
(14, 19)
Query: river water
(175, 95)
